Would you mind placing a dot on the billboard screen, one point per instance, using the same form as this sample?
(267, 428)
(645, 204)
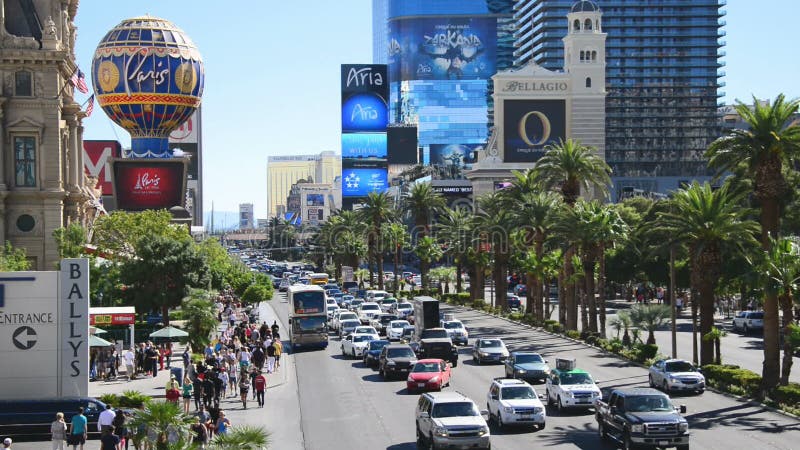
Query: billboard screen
(365, 78)
(315, 199)
(444, 48)
(360, 182)
(143, 184)
(364, 145)
(530, 126)
(402, 145)
(460, 156)
(97, 162)
(364, 112)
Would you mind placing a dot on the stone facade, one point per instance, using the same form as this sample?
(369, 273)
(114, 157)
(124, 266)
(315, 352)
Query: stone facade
(43, 185)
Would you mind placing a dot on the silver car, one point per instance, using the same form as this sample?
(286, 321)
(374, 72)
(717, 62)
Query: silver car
(676, 375)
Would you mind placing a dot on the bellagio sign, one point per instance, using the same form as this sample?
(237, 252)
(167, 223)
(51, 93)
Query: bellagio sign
(44, 332)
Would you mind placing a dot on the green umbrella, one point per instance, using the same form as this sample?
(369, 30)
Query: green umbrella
(95, 341)
(169, 333)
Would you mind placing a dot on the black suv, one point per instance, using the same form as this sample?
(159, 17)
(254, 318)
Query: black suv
(396, 359)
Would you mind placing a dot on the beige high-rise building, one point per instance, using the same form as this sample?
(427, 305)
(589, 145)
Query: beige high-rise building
(42, 181)
(284, 171)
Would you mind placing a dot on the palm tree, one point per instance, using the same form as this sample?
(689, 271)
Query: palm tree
(650, 318)
(715, 336)
(710, 223)
(198, 312)
(422, 202)
(454, 231)
(428, 251)
(396, 237)
(624, 318)
(772, 141)
(567, 167)
(494, 221)
(164, 420)
(244, 437)
(377, 210)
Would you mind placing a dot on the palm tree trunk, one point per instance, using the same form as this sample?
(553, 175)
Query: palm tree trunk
(531, 307)
(562, 297)
(588, 274)
(580, 297)
(380, 270)
(544, 294)
(786, 311)
(458, 276)
(770, 217)
(706, 323)
(569, 288)
(396, 270)
(601, 291)
(695, 297)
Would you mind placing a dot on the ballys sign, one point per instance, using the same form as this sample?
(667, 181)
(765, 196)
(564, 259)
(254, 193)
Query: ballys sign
(149, 184)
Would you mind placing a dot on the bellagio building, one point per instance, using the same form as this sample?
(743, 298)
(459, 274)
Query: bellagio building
(42, 182)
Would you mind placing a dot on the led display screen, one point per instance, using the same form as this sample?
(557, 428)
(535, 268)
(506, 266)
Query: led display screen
(364, 112)
(460, 156)
(530, 126)
(143, 184)
(445, 48)
(315, 199)
(360, 182)
(402, 145)
(364, 145)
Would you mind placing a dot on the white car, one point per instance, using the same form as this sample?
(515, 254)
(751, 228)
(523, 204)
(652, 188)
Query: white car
(514, 402)
(362, 329)
(404, 309)
(367, 310)
(355, 344)
(571, 389)
(748, 321)
(332, 309)
(376, 296)
(676, 375)
(342, 316)
(331, 301)
(457, 332)
(394, 331)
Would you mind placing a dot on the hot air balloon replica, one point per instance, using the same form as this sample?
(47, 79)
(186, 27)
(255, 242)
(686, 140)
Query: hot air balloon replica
(148, 77)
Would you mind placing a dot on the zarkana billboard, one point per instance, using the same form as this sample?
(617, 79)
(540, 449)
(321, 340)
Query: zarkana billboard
(530, 126)
(442, 48)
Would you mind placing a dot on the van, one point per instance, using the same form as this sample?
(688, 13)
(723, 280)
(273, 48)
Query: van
(33, 417)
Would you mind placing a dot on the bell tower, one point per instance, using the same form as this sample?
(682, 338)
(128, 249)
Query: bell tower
(585, 48)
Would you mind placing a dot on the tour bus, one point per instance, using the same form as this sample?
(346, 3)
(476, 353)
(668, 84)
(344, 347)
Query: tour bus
(308, 316)
(319, 279)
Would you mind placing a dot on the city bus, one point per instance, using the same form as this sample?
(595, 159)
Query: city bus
(319, 279)
(308, 316)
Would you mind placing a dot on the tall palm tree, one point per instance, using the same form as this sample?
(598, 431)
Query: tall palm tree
(455, 233)
(422, 202)
(396, 237)
(495, 222)
(428, 251)
(710, 223)
(568, 167)
(771, 142)
(377, 210)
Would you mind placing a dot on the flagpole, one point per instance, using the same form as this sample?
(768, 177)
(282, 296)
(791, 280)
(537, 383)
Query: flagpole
(67, 82)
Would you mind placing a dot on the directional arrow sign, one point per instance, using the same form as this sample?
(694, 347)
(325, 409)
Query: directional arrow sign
(22, 338)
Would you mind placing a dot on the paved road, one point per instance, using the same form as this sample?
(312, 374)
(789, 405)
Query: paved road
(344, 405)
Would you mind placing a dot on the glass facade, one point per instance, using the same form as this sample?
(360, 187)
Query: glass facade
(662, 79)
(441, 56)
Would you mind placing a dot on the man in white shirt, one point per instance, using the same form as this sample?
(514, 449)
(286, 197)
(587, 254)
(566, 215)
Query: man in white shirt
(130, 358)
(106, 419)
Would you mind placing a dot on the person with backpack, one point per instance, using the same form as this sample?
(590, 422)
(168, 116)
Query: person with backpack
(244, 387)
(260, 384)
(258, 357)
(271, 357)
(275, 328)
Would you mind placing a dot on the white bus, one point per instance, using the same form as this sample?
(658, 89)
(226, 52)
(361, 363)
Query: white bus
(308, 316)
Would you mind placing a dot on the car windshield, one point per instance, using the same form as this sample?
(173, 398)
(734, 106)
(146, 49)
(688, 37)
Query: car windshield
(377, 345)
(388, 301)
(648, 403)
(426, 367)
(404, 306)
(489, 343)
(455, 409)
(348, 316)
(757, 315)
(576, 378)
(368, 330)
(399, 324)
(525, 359)
(310, 323)
(680, 366)
(370, 307)
(400, 353)
(453, 325)
(366, 338)
(518, 393)
(387, 319)
(350, 323)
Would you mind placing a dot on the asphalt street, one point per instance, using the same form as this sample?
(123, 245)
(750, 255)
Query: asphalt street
(344, 405)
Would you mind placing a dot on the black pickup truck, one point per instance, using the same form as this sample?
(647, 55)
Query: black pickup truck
(642, 418)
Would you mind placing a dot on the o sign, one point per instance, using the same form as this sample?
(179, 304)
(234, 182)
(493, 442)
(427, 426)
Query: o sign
(523, 125)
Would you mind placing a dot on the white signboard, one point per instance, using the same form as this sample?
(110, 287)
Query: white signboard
(74, 327)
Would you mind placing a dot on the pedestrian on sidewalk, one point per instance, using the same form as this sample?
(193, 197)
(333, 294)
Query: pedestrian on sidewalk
(260, 383)
(58, 431)
(200, 434)
(172, 383)
(7, 443)
(278, 350)
(187, 358)
(173, 394)
(186, 392)
(162, 351)
(223, 423)
(78, 433)
(108, 440)
(121, 429)
(275, 328)
(106, 419)
(224, 380)
(271, 357)
(130, 361)
(244, 387)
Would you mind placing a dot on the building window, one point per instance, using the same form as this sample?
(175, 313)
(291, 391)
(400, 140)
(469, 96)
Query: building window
(25, 161)
(588, 82)
(594, 55)
(25, 223)
(23, 84)
(577, 25)
(588, 24)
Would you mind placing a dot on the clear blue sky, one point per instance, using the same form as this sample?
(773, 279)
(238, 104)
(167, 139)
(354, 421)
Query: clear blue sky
(272, 74)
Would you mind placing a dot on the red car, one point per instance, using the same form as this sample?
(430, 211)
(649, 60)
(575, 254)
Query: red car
(428, 374)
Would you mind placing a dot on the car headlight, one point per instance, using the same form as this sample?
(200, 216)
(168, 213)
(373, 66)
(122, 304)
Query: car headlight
(391, 363)
(434, 380)
(521, 371)
(409, 379)
(508, 409)
(571, 394)
(483, 354)
(637, 428)
(547, 370)
(483, 431)
(596, 394)
(440, 431)
(683, 427)
(672, 378)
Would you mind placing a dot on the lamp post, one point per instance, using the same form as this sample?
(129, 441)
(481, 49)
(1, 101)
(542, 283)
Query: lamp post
(672, 306)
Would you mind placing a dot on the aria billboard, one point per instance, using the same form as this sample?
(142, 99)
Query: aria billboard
(530, 126)
(446, 48)
(364, 146)
(142, 184)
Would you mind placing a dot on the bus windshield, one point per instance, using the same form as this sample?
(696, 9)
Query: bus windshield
(309, 324)
(312, 302)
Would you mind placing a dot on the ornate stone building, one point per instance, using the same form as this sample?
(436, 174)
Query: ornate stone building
(43, 186)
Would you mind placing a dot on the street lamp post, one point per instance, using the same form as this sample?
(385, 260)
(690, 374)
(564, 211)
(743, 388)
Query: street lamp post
(672, 306)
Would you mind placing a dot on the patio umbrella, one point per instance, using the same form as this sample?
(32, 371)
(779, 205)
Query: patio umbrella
(95, 341)
(169, 333)
(96, 330)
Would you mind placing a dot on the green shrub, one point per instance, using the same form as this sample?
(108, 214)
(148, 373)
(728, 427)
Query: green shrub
(647, 351)
(733, 379)
(133, 399)
(600, 342)
(463, 297)
(574, 334)
(557, 328)
(478, 303)
(787, 395)
(616, 346)
(110, 399)
(176, 315)
(516, 316)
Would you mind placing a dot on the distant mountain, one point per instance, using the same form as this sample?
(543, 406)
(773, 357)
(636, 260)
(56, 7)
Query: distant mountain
(223, 221)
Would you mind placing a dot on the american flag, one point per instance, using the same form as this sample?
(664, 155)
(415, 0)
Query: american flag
(90, 108)
(79, 81)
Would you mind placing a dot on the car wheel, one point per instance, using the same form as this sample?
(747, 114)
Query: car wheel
(431, 444)
(420, 440)
(665, 387)
(354, 353)
(601, 430)
(540, 427)
(344, 354)
(455, 363)
(650, 379)
(549, 399)
(683, 447)
(745, 330)
(500, 423)
(474, 359)
(381, 372)
(560, 405)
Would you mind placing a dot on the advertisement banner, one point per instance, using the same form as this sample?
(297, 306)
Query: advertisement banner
(530, 126)
(460, 156)
(364, 145)
(97, 157)
(143, 184)
(315, 199)
(360, 182)
(364, 112)
(402, 144)
(188, 131)
(365, 78)
(442, 48)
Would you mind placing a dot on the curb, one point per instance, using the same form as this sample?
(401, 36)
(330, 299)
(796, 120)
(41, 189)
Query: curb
(745, 400)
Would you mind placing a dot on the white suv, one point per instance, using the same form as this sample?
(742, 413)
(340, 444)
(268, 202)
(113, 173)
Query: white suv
(514, 402)
(748, 320)
(571, 389)
(450, 420)
(367, 310)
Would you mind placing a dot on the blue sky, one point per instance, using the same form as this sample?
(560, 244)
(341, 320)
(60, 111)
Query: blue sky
(272, 74)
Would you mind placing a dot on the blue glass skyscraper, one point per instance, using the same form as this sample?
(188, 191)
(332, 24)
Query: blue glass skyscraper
(441, 56)
(662, 80)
